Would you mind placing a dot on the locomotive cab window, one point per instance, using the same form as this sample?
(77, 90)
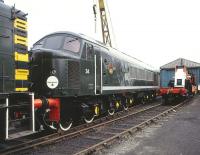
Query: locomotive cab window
(60, 42)
(54, 42)
(179, 82)
(39, 44)
(71, 44)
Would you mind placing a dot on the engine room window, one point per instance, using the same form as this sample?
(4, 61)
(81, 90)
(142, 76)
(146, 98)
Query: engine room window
(54, 42)
(179, 81)
(72, 44)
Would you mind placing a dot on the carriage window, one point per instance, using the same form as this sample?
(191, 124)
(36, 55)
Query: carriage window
(72, 44)
(54, 42)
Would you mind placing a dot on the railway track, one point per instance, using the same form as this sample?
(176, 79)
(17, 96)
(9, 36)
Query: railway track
(88, 138)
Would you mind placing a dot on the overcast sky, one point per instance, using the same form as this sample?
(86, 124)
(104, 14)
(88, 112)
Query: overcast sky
(154, 31)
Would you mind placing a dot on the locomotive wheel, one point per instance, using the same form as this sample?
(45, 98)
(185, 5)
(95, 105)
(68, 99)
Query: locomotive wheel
(130, 102)
(111, 111)
(125, 107)
(88, 118)
(47, 123)
(53, 125)
(143, 100)
(65, 124)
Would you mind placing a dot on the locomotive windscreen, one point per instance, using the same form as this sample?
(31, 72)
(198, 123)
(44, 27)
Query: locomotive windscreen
(60, 42)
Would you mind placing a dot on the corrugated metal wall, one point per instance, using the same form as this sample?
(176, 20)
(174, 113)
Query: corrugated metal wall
(168, 74)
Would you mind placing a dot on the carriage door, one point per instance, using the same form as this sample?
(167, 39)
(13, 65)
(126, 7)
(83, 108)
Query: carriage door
(98, 69)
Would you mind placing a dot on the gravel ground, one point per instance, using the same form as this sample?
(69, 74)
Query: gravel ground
(177, 134)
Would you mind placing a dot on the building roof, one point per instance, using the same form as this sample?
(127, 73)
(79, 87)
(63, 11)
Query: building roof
(181, 62)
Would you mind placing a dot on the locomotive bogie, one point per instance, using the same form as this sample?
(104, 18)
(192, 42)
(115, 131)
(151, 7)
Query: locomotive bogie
(87, 108)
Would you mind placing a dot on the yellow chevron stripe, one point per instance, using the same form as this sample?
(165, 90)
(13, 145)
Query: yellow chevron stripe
(21, 74)
(20, 40)
(20, 24)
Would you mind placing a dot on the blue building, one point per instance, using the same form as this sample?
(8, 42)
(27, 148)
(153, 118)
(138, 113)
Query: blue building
(167, 71)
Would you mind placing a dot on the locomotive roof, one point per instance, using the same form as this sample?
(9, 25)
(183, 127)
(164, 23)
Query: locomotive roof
(113, 51)
(79, 35)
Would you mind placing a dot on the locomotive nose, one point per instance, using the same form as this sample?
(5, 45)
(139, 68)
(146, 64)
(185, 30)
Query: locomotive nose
(43, 72)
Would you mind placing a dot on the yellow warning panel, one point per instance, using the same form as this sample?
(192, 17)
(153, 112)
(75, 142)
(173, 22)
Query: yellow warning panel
(21, 89)
(20, 40)
(21, 57)
(21, 77)
(20, 24)
(21, 74)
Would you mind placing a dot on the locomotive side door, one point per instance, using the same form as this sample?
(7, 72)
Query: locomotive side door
(87, 70)
(98, 70)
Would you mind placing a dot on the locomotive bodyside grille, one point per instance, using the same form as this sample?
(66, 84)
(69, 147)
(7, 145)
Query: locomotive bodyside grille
(73, 75)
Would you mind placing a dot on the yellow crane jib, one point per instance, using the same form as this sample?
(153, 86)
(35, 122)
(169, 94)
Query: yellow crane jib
(104, 24)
